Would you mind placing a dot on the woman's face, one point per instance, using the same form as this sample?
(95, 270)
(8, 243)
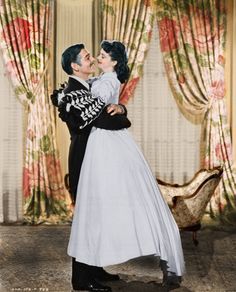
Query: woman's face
(105, 62)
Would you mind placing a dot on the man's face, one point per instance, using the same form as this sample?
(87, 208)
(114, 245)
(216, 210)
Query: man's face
(87, 64)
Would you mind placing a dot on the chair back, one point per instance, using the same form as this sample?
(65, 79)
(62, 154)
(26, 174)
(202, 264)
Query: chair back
(189, 209)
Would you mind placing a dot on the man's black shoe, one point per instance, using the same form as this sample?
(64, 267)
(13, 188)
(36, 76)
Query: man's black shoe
(92, 285)
(171, 282)
(101, 275)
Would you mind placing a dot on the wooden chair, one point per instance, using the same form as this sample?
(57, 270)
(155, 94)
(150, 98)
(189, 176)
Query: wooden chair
(188, 201)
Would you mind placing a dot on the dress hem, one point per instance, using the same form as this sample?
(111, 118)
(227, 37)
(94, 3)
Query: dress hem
(124, 261)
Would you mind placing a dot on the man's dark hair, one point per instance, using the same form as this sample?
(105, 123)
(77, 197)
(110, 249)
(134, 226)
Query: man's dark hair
(71, 55)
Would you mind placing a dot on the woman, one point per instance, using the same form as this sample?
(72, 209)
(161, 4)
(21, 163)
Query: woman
(120, 213)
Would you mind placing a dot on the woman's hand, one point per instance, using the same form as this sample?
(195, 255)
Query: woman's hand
(114, 109)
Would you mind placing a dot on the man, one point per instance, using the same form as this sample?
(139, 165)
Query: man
(79, 64)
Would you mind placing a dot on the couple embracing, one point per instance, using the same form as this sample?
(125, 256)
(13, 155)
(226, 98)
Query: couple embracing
(119, 212)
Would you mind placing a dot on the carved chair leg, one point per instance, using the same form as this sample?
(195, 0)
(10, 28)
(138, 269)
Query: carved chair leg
(193, 229)
(195, 241)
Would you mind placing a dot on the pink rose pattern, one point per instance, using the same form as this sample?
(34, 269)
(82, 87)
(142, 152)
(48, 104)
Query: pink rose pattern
(25, 46)
(34, 177)
(192, 39)
(218, 89)
(128, 90)
(223, 153)
(26, 182)
(168, 33)
(147, 3)
(221, 60)
(205, 35)
(30, 134)
(16, 34)
(13, 69)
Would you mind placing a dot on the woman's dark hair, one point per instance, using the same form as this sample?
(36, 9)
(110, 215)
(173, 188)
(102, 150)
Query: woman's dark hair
(118, 53)
(71, 55)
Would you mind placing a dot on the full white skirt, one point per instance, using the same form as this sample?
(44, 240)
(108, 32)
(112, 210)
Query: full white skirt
(120, 213)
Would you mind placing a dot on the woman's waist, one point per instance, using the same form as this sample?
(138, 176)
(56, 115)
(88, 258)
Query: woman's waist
(94, 128)
(108, 122)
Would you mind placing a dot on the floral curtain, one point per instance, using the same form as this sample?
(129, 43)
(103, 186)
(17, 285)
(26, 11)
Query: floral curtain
(25, 42)
(192, 39)
(131, 23)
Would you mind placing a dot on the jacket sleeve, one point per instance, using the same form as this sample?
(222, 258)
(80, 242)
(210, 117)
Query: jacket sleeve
(77, 108)
(108, 122)
(80, 108)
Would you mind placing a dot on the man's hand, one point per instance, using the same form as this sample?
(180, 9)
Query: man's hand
(114, 109)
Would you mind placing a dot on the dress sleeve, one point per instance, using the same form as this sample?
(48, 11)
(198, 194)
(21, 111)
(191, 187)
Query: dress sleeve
(105, 89)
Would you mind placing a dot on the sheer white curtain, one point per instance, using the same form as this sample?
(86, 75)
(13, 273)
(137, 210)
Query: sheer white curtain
(170, 142)
(11, 152)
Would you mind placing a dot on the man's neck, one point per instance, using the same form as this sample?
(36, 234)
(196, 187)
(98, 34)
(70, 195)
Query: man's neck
(82, 76)
(82, 81)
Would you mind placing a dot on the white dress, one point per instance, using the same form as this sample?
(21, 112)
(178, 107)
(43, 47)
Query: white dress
(120, 213)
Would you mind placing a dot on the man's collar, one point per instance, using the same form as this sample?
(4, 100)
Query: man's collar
(80, 80)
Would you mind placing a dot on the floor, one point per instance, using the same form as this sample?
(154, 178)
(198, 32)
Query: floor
(33, 258)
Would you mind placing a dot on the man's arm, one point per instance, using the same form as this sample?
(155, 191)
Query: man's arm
(79, 108)
(112, 122)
